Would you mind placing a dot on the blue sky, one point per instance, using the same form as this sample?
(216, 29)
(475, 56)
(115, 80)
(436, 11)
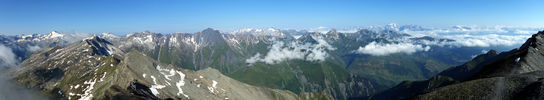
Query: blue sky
(168, 16)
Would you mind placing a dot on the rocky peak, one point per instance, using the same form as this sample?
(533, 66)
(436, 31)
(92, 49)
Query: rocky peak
(364, 31)
(209, 35)
(332, 31)
(493, 52)
(54, 34)
(528, 58)
(534, 42)
(210, 31)
(98, 45)
(390, 34)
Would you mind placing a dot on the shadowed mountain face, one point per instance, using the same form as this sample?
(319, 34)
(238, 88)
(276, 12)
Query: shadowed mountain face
(516, 74)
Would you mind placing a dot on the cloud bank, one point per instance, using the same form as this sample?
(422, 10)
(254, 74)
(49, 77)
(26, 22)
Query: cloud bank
(281, 51)
(7, 57)
(376, 49)
(9, 90)
(488, 40)
(479, 36)
(33, 48)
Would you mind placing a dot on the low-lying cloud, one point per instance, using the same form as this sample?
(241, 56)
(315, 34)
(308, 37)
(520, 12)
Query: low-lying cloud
(9, 90)
(281, 51)
(378, 49)
(488, 40)
(33, 48)
(7, 57)
(478, 36)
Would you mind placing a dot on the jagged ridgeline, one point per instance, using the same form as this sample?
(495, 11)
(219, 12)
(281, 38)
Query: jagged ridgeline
(513, 75)
(326, 63)
(95, 69)
(307, 66)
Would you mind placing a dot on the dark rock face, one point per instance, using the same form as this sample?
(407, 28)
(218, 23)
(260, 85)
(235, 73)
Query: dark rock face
(516, 74)
(141, 90)
(209, 35)
(527, 58)
(98, 45)
(49, 74)
(534, 91)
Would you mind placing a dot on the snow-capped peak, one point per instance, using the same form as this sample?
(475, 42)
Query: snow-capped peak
(54, 34)
(392, 26)
(109, 35)
(259, 32)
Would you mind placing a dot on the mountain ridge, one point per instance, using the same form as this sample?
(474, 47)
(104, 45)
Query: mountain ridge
(506, 75)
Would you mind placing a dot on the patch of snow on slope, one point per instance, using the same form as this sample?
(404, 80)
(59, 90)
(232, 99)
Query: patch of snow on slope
(214, 83)
(181, 83)
(102, 79)
(174, 41)
(88, 91)
(167, 73)
(155, 86)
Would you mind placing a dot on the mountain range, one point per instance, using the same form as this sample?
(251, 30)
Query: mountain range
(268, 64)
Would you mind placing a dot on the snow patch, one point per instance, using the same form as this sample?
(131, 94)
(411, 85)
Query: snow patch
(88, 91)
(102, 79)
(155, 86)
(211, 89)
(181, 83)
(214, 83)
(154, 89)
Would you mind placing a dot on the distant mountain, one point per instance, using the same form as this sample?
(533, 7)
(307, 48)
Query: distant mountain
(228, 53)
(515, 74)
(329, 63)
(95, 69)
(397, 27)
(24, 45)
(261, 32)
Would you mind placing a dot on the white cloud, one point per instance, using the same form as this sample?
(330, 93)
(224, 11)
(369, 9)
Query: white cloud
(254, 59)
(33, 48)
(487, 40)
(280, 51)
(7, 57)
(479, 36)
(376, 49)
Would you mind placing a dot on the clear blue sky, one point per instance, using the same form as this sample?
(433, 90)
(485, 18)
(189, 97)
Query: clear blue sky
(96, 16)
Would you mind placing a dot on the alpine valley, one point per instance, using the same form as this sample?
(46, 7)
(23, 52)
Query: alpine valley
(377, 62)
